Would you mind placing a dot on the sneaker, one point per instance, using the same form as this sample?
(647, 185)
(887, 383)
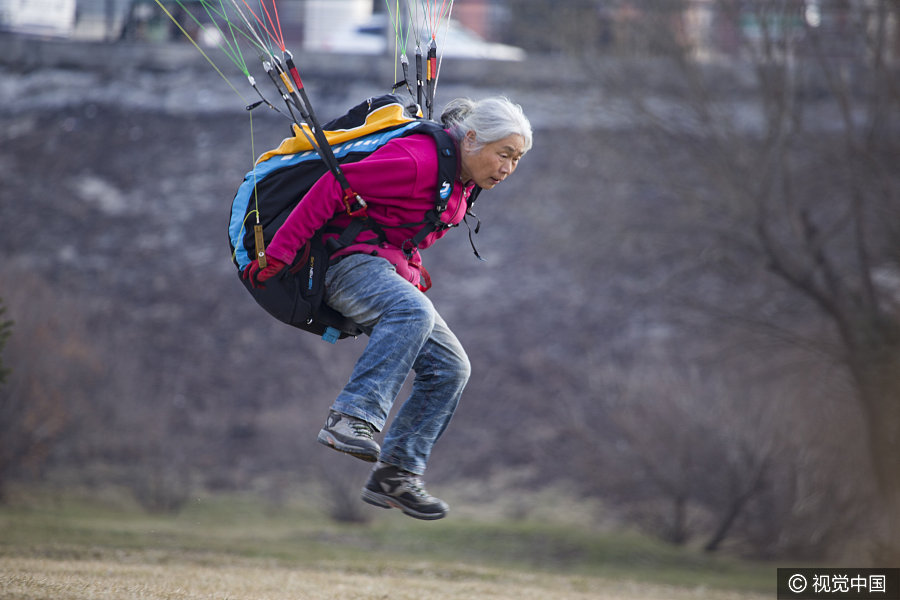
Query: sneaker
(350, 435)
(392, 487)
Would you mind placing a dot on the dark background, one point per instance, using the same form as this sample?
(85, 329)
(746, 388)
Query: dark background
(687, 319)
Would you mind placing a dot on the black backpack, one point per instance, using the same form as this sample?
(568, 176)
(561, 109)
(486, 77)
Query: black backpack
(283, 175)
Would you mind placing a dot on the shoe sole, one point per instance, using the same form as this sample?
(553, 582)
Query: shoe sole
(326, 439)
(385, 501)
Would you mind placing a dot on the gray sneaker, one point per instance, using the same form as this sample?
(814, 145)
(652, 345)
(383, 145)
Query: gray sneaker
(392, 487)
(350, 435)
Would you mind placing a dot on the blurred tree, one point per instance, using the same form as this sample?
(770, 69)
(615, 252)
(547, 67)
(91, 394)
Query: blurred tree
(53, 369)
(788, 170)
(555, 27)
(697, 449)
(771, 130)
(5, 332)
(32, 415)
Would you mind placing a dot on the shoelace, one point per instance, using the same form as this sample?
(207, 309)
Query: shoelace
(362, 429)
(415, 485)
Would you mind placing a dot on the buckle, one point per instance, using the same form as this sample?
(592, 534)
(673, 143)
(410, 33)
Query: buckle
(356, 206)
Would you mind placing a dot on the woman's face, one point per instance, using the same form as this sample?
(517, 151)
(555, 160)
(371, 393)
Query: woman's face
(493, 162)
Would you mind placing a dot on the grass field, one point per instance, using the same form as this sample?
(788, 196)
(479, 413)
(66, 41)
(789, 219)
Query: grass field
(236, 549)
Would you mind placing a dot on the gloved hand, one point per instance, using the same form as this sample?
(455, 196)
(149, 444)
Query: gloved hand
(257, 277)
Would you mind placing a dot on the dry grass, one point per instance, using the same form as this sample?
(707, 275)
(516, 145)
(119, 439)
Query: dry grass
(134, 578)
(240, 551)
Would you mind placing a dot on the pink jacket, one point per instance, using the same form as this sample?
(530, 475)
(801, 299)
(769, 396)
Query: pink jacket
(399, 183)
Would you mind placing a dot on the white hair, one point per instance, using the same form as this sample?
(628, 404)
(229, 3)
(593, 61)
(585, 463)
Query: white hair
(490, 119)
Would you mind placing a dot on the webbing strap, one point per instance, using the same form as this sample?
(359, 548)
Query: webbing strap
(432, 223)
(448, 165)
(351, 232)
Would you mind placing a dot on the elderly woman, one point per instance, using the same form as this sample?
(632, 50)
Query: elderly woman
(379, 284)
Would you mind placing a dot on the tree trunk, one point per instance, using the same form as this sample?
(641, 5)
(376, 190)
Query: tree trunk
(878, 377)
(678, 534)
(738, 502)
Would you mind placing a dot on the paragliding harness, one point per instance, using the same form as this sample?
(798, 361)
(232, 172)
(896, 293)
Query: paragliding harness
(283, 175)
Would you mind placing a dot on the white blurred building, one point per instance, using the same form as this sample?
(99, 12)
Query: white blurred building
(40, 17)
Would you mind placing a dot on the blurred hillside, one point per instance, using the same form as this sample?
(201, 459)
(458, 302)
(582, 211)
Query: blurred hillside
(632, 341)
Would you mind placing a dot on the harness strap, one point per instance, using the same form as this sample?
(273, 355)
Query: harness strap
(431, 224)
(448, 164)
(349, 234)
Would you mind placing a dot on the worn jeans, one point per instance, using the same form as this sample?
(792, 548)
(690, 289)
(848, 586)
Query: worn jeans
(405, 333)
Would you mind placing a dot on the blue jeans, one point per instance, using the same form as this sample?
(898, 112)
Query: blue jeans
(405, 333)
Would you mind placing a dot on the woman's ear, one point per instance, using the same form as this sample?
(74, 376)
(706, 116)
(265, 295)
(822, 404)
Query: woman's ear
(469, 141)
